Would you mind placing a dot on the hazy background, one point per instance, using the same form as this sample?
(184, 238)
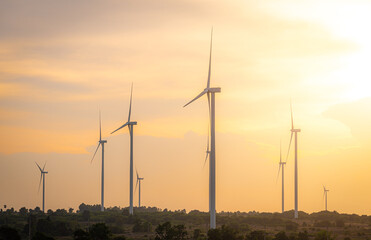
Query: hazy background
(62, 61)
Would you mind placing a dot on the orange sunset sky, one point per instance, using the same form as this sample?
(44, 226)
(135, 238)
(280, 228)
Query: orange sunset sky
(62, 61)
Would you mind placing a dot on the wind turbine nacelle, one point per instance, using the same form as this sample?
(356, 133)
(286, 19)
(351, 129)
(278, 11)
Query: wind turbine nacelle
(295, 130)
(217, 89)
(132, 123)
(103, 141)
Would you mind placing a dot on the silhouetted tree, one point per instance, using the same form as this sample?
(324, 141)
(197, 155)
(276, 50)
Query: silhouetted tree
(80, 234)
(70, 210)
(223, 233)
(8, 233)
(141, 226)
(41, 236)
(323, 235)
(197, 234)
(23, 211)
(99, 231)
(303, 235)
(119, 238)
(167, 232)
(281, 236)
(256, 235)
(86, 215)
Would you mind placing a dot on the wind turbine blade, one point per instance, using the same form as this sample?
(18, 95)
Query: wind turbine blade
(120, 127)
(211, 46)
(137, 173)
(278, 174)
(292, 118)
(131, 97)
(41, 176)
(44, 166)
(100, 128)
(207, 155)
(198, 96)
(136, 185)
(39, 167)
(208, 131)
(324, 193)
(96, 150)
(280, 152)
(288, 151)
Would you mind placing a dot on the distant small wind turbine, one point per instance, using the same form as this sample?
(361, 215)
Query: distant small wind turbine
(325, 196)
(131, 129)
(211, 153)
(101, 142)
(294, 130)
(42, 177)
(282, 165)
(138, 181)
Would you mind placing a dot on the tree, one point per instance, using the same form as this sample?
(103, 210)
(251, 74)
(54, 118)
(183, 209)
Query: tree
(99, 231)
(70, 211)
(119, 238)
(281, 236)
(303, 235)
(86, 215)
(41, 236)
(23, 211)
(197, 234)
(167, 232)
(323, 235)
(141, 226)
(256, 235)
(80, 234)
(8, 233)
(223, 233)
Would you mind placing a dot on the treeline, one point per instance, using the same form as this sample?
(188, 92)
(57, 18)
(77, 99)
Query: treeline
(155, 223)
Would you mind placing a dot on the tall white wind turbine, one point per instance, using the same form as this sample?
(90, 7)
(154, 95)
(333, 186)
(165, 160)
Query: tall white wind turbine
(210, 92)
(294, 130)
(42, 178)
(101, 143)
(325, 196)
(138, 181)
(282, 167)
(130, 125)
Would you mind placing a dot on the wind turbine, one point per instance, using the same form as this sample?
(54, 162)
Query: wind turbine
(42, 177)
(131, 128)
(138, 181)
(325, 196)
(210, 92)
(101, 142)
(282, 166)
(294, 130)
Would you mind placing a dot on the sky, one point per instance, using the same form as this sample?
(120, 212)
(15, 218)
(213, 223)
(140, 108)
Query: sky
(62, 61)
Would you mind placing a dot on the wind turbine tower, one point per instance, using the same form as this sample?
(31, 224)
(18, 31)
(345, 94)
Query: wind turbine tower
(130, 125)
(210, 93)
(101, 143)
(294, 131)
(282, 167)
(325, 196)
(138, 181)
(42, 178)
